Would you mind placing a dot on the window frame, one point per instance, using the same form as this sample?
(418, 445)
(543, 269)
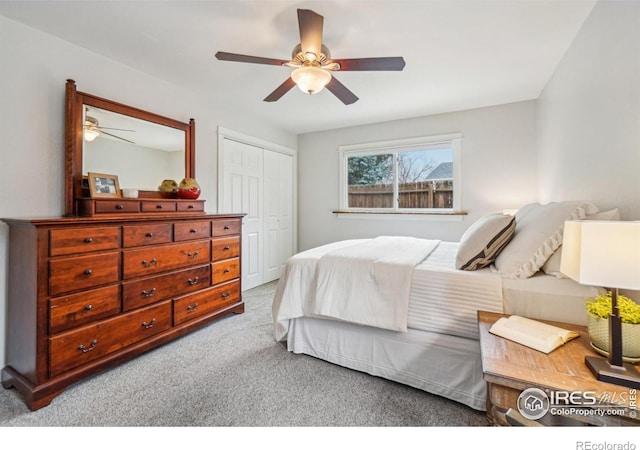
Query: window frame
(396, 146)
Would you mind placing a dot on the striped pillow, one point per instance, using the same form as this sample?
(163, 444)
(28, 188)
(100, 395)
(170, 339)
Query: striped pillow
(482, 242)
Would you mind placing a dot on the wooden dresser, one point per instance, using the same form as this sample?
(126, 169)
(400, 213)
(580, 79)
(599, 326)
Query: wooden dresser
(86, 294)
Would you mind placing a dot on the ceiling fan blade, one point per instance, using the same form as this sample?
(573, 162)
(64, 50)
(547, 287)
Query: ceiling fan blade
(340, 90)
(114, 129)
(390, 63)
(280, 90)
(117, 137)
(225, 56)
(310, 25)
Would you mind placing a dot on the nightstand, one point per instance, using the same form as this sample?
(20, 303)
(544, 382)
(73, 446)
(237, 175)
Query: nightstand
(574, 394)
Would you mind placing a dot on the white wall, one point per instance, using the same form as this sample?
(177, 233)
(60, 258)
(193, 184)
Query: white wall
(498, 171)
(589, 114)
(33, 70)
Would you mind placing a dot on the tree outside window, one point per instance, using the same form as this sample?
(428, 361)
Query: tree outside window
(411, 179)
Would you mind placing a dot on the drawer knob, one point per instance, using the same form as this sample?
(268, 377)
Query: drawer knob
(226, 228)
(193, 281)
(119, 206)
(193, 255)
(148, 325)
(149, 234)
(190, 206)
(88, 272)
(226, 294)
(84, 349)
(192, 308)
(146, 263)
(159, 206)
(226, 247)
(148, 294)
(227, 270)
(88, 240)
(193, 230)
(88, 307)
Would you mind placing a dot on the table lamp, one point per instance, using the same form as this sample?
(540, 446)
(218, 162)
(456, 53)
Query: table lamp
(607, 254)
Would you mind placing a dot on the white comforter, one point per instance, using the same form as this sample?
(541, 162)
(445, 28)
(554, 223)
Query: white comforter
(364, 281)
(369, 282)
(441, 299)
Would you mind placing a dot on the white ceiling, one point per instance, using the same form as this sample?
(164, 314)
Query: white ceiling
(460, 54)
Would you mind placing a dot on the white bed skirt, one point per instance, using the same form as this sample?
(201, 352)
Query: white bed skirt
(444, 365)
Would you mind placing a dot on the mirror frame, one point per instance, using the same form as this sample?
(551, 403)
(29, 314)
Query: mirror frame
(75, 102)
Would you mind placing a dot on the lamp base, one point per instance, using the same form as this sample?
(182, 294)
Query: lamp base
(624, 375)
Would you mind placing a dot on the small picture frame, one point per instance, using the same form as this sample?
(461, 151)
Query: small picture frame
(104, 185)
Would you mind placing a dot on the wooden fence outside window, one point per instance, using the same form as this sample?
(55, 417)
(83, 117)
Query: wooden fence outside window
(418, 195)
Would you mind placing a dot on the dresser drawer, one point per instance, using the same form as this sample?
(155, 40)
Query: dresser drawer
(185, 206)
(225, 248)
(149, 290)
(184, 231)
(158, 206)
(226, 227)
(149, 261)
(77, 347)
(78, 309)
(137, 235)
(225, 270)
(116, 206)
(82, 240)
(81, 272)
(203, 303)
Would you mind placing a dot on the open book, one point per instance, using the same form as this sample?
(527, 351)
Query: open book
(536, 335)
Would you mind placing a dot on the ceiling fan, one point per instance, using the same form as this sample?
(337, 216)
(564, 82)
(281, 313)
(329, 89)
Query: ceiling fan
(92, 129)
(313, 63)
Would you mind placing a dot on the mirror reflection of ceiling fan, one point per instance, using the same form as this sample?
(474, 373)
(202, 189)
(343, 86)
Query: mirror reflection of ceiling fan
(313, 64)
(92, 129)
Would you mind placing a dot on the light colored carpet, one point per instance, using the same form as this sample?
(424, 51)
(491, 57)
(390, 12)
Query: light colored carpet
(232, 373)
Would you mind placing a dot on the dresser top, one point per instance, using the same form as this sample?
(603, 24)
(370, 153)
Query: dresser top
(122, 218)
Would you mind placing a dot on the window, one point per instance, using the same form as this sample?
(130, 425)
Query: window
(410, 175)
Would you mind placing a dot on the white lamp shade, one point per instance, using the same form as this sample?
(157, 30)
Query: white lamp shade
(602, 253)
(310, 79)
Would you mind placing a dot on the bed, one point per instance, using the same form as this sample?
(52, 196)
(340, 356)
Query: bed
(405, 309)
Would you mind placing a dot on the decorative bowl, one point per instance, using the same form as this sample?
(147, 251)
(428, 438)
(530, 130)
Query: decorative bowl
(188, 189)
(168, 186)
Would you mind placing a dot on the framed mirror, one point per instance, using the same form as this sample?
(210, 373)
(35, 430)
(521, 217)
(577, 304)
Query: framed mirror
(140, 147)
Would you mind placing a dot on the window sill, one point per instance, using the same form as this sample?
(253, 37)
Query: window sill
(402, 215)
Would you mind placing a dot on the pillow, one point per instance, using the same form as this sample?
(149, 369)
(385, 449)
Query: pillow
(537, 236)
(481, 243)
(552, 266)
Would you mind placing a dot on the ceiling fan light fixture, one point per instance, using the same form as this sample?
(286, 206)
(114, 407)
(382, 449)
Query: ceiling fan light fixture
(90, 134)
(90, 129)
(311, 79)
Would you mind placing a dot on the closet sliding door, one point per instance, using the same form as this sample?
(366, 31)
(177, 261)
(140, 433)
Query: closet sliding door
(258, 181)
